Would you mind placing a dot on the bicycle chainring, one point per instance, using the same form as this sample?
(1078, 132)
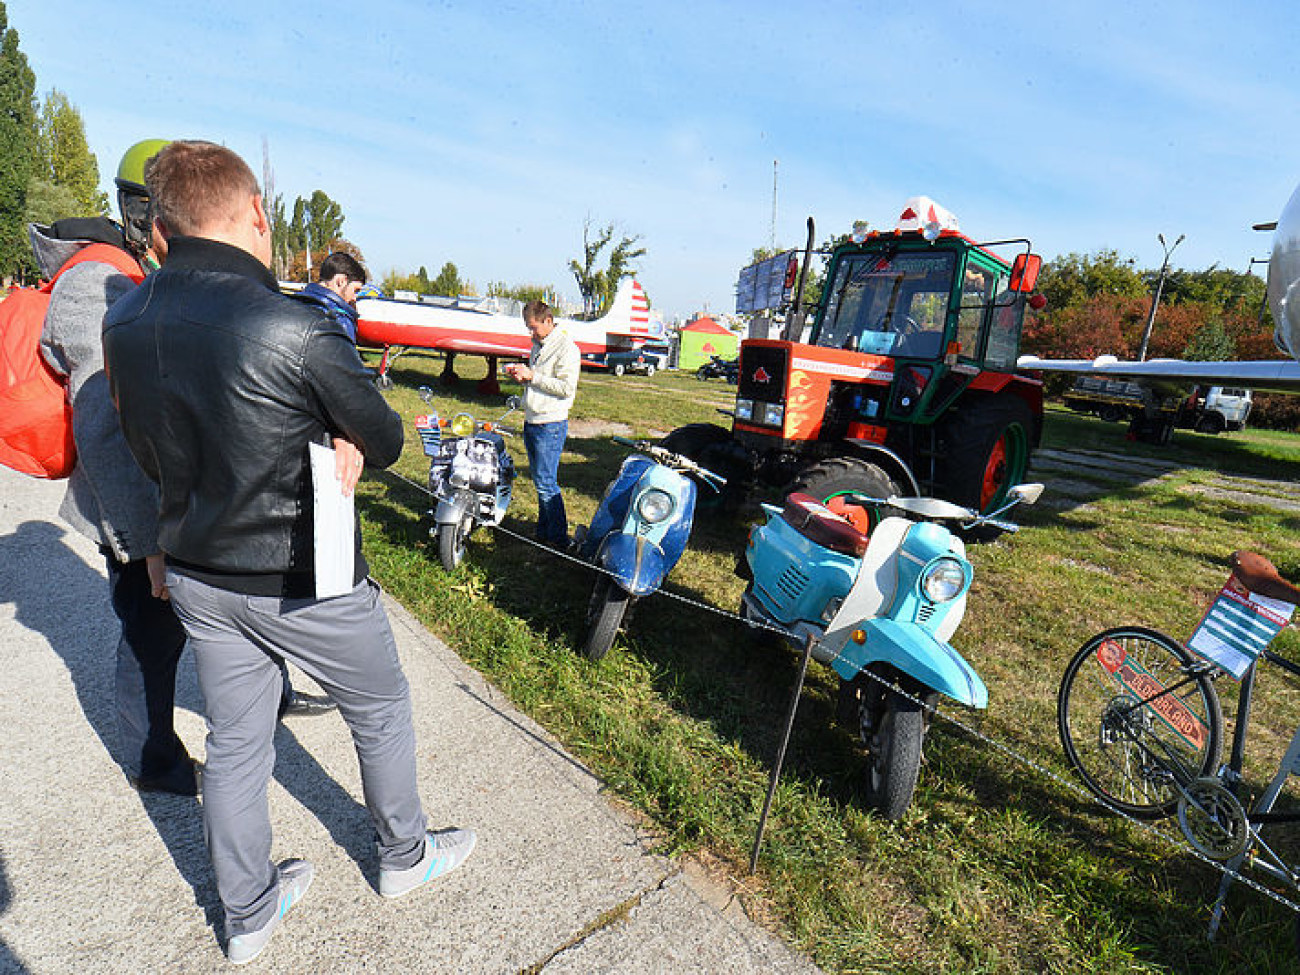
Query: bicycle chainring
(1213, 820)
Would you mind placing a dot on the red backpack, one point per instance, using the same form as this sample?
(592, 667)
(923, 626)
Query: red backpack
(35, 415)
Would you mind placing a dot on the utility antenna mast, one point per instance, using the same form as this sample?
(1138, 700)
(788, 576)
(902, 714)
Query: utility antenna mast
(772, 240)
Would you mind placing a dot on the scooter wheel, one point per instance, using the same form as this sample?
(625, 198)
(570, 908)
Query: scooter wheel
(608, 605)
(451, 542)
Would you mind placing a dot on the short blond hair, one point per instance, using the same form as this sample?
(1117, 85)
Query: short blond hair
(197, 186)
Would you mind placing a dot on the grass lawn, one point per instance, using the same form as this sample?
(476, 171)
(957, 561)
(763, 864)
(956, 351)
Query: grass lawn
(1001, 865)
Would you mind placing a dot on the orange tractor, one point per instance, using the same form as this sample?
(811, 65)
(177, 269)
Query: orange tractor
(906, 380)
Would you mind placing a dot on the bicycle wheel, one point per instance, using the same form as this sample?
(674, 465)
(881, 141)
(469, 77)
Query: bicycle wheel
(1139, 718)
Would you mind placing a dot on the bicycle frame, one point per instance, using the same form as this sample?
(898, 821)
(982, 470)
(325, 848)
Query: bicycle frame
(1262, 811)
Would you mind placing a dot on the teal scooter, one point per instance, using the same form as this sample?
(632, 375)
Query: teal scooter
(879, 610)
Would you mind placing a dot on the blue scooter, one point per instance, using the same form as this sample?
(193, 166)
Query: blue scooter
(638, 533)
(880, 610)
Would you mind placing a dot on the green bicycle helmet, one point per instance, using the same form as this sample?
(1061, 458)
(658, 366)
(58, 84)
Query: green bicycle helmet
(132, 197)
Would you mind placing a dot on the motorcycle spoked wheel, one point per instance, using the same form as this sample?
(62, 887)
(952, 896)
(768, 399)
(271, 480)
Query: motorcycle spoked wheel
(609, 604)
(452, 539)
(893, 729)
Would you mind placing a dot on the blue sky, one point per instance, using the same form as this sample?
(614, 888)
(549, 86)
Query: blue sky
(485, 133)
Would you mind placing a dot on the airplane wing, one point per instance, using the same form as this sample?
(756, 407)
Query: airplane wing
(1271, 375)
(1268, 375)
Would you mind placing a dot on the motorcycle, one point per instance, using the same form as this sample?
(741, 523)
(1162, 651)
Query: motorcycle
(471, 475)
(880, 610)
(719, 368)
(637, 534)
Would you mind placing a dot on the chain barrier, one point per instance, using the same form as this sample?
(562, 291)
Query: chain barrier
(1073, 788)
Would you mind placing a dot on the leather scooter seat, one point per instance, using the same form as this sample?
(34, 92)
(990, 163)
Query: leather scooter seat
(816, 522)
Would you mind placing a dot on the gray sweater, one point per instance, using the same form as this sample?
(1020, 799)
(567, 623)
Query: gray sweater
(109, 499)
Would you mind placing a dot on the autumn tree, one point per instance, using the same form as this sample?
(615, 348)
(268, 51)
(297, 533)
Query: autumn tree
(17, 149)
(63, 157)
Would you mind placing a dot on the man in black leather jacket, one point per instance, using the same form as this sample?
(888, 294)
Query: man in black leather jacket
(222, 383)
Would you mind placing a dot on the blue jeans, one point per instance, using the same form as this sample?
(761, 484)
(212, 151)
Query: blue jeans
(544, 443)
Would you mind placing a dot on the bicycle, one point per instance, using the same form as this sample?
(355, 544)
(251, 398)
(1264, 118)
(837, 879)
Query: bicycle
(1142, 726)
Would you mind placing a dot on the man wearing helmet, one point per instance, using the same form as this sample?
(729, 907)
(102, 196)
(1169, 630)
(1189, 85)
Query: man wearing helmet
(108, 498)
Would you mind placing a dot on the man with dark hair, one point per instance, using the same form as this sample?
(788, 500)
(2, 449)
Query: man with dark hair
(550, 384)
(335, 290)
(109, 499)
(222, 383)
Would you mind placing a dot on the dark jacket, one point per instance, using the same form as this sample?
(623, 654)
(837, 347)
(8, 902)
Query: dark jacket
(221, 383)
(334, 306)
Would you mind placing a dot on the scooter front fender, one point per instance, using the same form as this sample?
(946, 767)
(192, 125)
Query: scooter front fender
(638, 566)
(915, 652)
(453, 510)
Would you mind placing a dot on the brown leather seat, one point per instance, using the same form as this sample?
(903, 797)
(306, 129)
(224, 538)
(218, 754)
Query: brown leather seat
(816, 522)
(1259, 575)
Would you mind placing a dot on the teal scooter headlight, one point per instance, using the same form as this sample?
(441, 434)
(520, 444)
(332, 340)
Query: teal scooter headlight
(944, 580)
(654, 506)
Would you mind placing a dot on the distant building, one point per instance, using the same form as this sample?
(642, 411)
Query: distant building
(703, 338)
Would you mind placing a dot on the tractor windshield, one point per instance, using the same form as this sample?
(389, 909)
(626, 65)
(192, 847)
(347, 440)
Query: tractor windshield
(889, 304)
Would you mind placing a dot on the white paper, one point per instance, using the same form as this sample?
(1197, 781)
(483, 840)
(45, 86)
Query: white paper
(335, 527)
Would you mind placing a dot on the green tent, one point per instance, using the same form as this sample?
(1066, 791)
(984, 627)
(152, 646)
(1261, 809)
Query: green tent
(703, 338)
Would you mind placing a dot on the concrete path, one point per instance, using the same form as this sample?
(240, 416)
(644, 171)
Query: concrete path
(97, 878)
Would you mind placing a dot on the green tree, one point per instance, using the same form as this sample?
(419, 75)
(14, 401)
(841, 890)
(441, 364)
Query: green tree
(524, 292)
(597, 285)
(283, 239)
(318, 220)
(448, 283)
(17, 149)
(1071, 280)
(1211, 342)
(64, 158)
(47, 202)
(620, 267)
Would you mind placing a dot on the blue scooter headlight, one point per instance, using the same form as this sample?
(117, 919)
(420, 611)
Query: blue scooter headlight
(944, 580)
(654, 506)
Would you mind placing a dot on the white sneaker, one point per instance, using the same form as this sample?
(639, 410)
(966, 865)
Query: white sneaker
(295, 878)
(443, 852)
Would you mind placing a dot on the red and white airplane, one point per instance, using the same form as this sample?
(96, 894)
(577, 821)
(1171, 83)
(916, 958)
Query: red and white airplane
(490, 327)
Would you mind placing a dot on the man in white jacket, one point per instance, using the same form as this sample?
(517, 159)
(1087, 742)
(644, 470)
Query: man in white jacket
(550, 383)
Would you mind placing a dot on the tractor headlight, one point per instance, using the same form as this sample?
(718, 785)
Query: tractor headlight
(744, 409)
(944, 580)
(462, 424)
(654, 506)
(773, 414)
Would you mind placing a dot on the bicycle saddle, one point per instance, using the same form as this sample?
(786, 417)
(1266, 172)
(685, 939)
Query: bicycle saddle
(1259, 575)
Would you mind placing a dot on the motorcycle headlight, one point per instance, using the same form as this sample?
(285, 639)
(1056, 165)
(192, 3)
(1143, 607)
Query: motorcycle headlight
(744, 409)
(462, 424)
(944, 579)
(654, 506)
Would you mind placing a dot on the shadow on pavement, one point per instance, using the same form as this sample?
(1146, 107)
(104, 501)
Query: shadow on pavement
(8, 960)
(75, 618)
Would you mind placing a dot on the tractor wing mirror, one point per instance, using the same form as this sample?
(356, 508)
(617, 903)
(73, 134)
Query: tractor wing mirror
(1024, 272)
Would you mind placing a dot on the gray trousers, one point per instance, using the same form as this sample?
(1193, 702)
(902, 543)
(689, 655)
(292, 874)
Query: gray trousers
(347, 646)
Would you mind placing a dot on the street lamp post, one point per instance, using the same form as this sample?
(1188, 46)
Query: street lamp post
(1160, 287)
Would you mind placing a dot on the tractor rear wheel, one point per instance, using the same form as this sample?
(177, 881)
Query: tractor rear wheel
(988, 452)
(831, 480)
